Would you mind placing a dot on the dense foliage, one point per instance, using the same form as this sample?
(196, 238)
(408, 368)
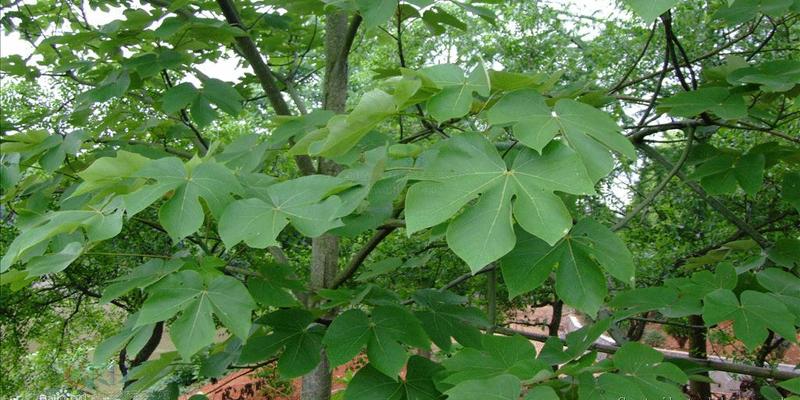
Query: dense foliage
(380, 181)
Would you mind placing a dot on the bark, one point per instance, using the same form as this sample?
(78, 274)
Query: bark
(555, 321)
(697, 349)
(325, 249)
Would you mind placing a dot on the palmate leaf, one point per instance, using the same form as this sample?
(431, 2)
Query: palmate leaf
(468, 166)
(752, 314)
(197, 298)
(717, 100)
(306, 202)
(577, 259)
(369, 383)
(97, 223)
(498, 355)
(445, 316)
(500, 387)
(640, 374)
(455, 98)
(587, 130)
(381, 332)
(183, 214)
(294, 332)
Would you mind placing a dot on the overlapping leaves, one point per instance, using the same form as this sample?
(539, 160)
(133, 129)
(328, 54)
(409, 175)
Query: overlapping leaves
(577, 260)
(183, 214)
(306, 202)
(641, 373)
(291, 330)
(196, 298)
(587, 130)
(468, 167)
(382, 332)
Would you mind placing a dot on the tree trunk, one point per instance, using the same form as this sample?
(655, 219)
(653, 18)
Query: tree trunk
(697, 349)
(555, 321)
(325, 249)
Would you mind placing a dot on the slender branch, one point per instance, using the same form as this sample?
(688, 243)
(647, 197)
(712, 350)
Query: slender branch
(361, 256)
(627, 74)
(250, 52)
(660, 187)
(713, 202)
(714, 365)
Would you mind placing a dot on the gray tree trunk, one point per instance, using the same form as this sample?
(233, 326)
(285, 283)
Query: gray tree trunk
(325, 249)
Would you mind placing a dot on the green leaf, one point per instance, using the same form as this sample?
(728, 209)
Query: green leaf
(376, 12)
(446, 317)
(245, 154)
(346, 336)
(292, 331)
(193, 328)
(468, 166)
(784, 286)
(304, 201)
(785, 252)
(183, 214)
(521, 273)
(379, 268)
(140, 277)
(790, 190)
(579, 282)
(109, 171)
(532, 119)
(369, 383)
(640, 300)
(202, 113)
(541, 393)
(501, 387)
(98, 224)
(641, 375)
(650, 9)
(751, 319)
(717, 100)
(149, 373)
(589, 131)
(455, 98)
(498, 356)
(232, 304)
(188, 293)
(343, 132)
(792, 385)
(178, 97)
(223, 95)
(749, 172)
(773, 76)
(579, 256)
(55, 262)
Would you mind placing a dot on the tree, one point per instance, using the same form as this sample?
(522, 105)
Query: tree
(266, 200)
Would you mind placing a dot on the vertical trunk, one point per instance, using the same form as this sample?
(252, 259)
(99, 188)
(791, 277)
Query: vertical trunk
(697, 349)
(555, 321)
(325, 249)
